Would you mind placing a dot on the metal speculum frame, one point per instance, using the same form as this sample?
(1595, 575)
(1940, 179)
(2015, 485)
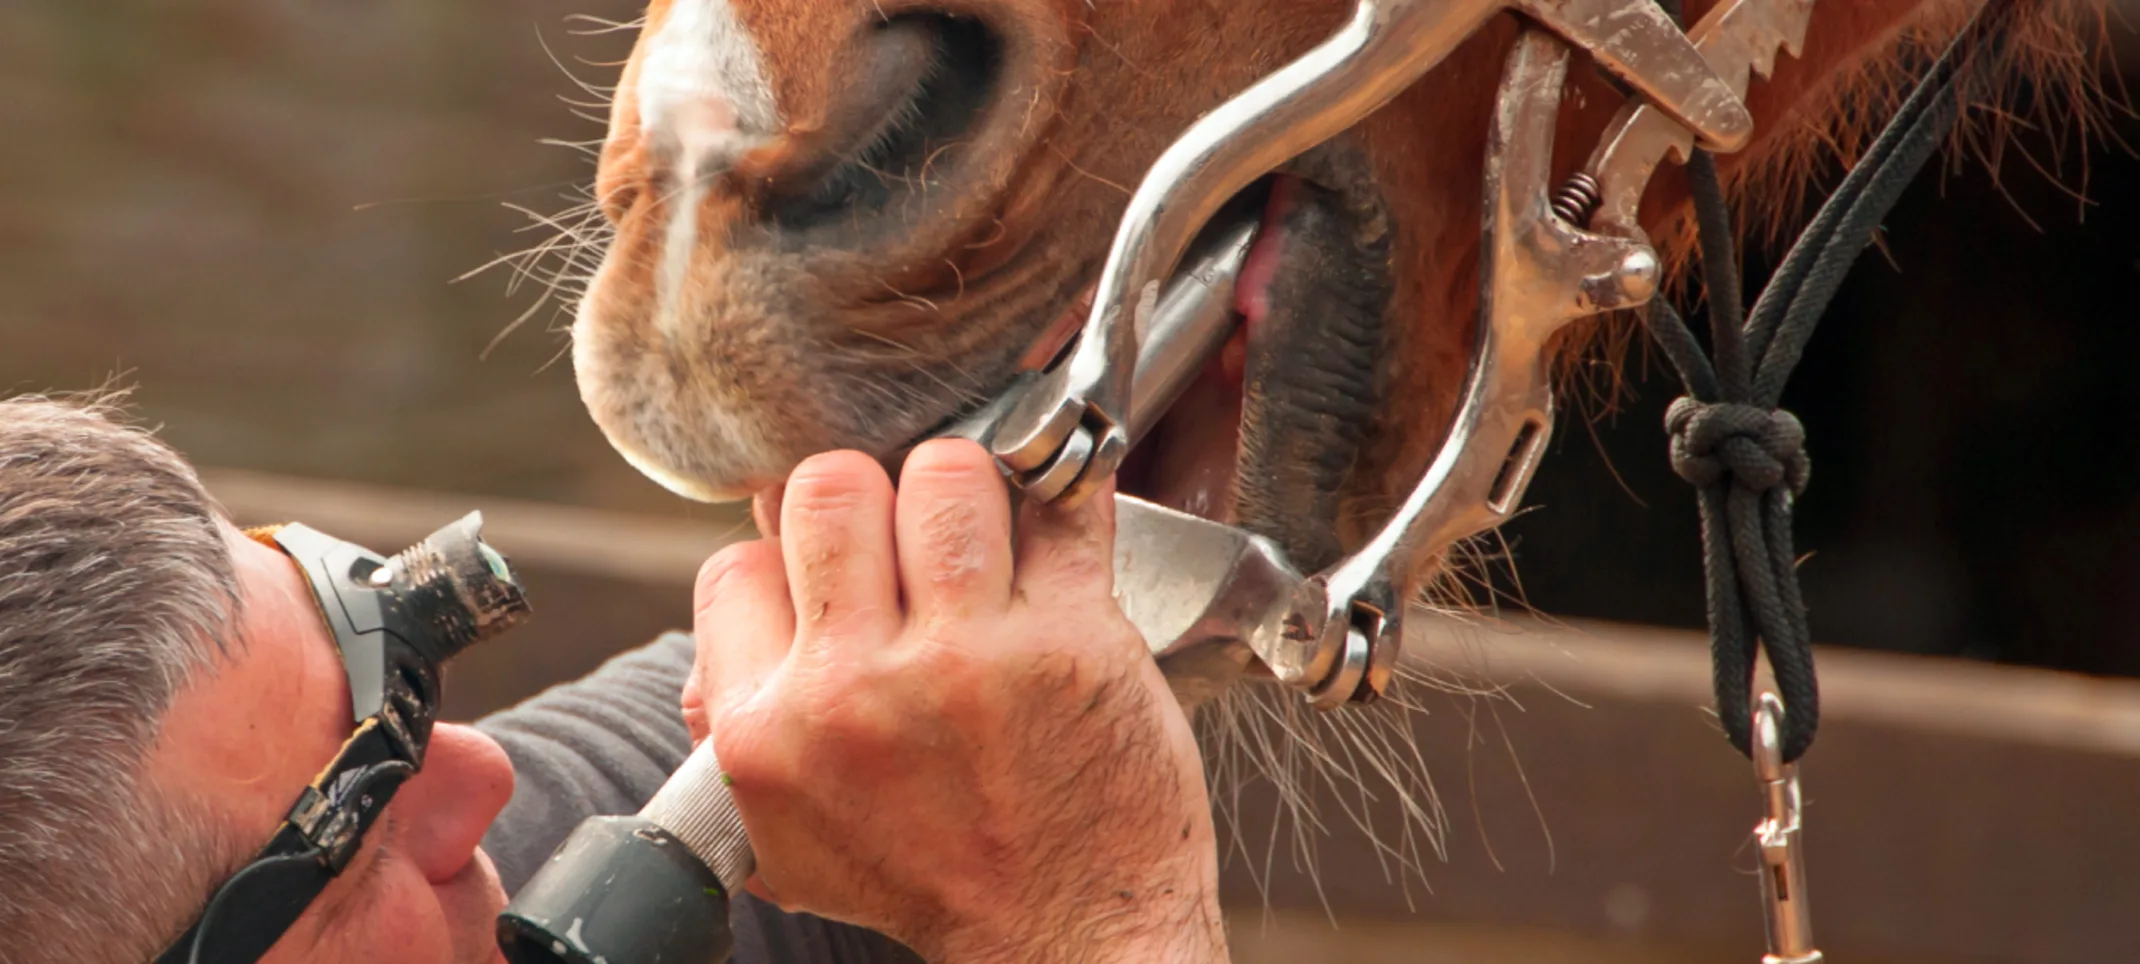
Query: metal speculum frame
(1215, 602)
(1070, 431)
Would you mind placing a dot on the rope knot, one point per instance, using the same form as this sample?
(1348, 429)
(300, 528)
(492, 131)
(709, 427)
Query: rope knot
(1758, 448)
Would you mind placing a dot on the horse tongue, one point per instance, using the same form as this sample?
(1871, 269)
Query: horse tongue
(1252, 291)
(1313, 294)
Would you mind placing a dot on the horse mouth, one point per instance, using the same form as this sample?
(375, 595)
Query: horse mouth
(1190, 459)
(1310, 297)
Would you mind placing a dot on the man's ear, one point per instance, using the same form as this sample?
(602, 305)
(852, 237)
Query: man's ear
(265, 535)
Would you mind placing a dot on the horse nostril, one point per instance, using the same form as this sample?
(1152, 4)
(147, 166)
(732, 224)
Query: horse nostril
(615, 193)
(923, 85)
(700, 106)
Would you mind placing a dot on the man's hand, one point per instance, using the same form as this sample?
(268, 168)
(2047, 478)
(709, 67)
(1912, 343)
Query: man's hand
(953, 740)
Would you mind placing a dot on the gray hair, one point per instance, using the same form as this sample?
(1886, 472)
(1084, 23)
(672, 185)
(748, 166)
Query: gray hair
(116, 589)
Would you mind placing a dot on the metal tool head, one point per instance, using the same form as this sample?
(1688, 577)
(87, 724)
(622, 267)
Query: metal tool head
(1740, 39)
(1538, 274)
(1206, 596)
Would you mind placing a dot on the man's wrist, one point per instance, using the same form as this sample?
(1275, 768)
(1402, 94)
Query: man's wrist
(1164, 923)
(1191, 933)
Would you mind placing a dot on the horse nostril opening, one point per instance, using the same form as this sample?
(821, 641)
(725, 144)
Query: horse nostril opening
(616, 201)
(924, 85)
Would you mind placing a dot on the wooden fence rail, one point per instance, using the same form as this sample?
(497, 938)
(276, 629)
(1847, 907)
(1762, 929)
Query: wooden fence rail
(1957, 812)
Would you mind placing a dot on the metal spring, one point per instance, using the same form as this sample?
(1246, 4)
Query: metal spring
(1578, 199)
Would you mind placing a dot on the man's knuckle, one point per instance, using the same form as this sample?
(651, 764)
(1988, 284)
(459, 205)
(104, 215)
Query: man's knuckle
(954, 550)
(720, 572)
(752, 759)
(832, 618)
(833, 482)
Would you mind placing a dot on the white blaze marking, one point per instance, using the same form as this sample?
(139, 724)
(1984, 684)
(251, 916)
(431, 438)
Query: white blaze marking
(676, 247)
(703, 102)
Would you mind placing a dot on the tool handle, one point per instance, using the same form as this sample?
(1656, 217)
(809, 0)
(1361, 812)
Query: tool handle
(696, 806)
(646, 889)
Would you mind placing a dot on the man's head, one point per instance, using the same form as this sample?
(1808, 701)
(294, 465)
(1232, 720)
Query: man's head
(167, 687)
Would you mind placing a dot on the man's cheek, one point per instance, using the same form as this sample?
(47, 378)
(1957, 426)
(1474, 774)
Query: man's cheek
(404, 921)
(470, 904)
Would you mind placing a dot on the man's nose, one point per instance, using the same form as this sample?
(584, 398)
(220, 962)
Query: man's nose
(445, 810)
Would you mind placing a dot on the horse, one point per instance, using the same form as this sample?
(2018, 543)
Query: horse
(836, 223)
(827, 224)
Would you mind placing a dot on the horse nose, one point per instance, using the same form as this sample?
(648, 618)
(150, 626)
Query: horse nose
(895, 127)
(705, 104)
(705, 133)
(702, 95)
(876, 120)
(883, 118)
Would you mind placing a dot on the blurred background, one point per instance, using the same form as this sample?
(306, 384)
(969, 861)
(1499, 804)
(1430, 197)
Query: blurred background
(260, 213)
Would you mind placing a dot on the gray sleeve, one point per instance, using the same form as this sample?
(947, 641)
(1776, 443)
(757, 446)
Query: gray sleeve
(596, 746)
(601, 746)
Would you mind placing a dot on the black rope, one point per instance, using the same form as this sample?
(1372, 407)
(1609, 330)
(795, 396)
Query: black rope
(1745, 456)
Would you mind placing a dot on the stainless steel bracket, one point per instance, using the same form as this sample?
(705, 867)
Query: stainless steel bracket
(1209, 598)
(1538, 273)
(1071, 429)
(1186, 327)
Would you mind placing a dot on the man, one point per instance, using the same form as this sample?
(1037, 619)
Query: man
(931, 730)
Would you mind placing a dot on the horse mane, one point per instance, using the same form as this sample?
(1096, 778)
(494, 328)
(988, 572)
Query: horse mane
(2051, 103)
